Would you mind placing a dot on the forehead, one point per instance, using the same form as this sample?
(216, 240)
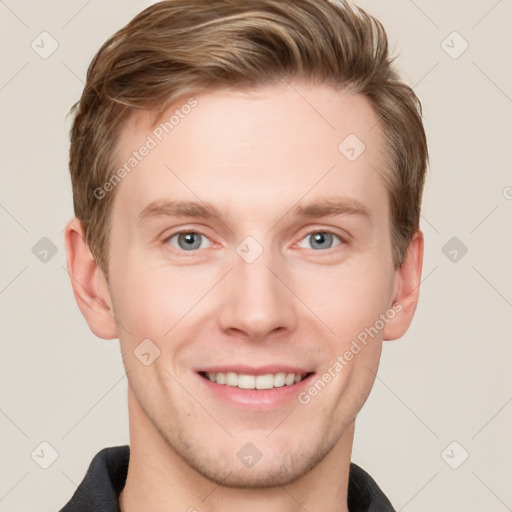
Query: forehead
(262, 147)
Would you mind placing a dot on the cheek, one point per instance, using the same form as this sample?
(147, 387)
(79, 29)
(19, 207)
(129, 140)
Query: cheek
(150, 301)
(351, 299)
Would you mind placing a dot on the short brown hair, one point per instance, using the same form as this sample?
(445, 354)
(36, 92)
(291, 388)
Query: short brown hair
(179, 47)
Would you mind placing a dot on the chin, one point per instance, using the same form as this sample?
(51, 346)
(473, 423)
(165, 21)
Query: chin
(271, 470)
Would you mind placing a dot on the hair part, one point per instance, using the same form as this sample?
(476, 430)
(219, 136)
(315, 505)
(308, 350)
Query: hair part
(179, 47)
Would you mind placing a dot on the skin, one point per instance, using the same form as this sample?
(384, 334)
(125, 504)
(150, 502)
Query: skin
(255, 156)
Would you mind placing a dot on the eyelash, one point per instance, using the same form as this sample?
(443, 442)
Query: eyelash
(343, 240)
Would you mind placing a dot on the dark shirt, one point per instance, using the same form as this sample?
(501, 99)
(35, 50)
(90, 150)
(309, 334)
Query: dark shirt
(106, 476)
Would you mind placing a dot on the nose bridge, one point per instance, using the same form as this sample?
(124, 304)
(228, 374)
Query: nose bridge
(255, 301)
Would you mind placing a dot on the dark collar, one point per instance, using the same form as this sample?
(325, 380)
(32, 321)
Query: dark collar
(106, 476)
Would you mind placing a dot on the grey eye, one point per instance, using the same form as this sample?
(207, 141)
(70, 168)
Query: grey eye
(188, 241)
(320, 240)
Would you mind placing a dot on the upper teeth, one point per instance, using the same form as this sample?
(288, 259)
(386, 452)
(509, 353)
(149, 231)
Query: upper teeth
(244, 381)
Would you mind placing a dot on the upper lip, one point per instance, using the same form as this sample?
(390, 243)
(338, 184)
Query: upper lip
(254, 370)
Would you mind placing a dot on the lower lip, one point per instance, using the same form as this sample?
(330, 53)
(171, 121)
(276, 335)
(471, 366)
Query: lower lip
(256, 398)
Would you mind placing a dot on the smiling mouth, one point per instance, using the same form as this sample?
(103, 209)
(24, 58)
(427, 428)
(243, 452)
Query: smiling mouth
(245, 381)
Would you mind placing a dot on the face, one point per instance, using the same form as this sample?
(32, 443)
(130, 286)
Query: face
(249, 250)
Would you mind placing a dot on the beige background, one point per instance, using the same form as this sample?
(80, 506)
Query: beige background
(447, 380)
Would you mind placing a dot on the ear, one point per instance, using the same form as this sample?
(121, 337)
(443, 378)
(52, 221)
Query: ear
(89, 283)
(408, 278)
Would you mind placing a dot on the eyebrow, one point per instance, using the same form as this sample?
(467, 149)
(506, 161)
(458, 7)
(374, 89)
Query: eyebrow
(329, 206)
(334, 206)
(178, 209)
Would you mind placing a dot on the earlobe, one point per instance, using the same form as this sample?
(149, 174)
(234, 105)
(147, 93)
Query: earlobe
(408, 289)
(89, 283)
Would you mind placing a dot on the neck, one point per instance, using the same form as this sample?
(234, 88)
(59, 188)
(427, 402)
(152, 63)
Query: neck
(160, 480)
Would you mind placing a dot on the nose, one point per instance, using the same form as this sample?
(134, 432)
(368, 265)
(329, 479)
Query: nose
(255, 302)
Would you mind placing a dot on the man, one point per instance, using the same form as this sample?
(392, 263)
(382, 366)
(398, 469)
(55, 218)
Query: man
(247, 182)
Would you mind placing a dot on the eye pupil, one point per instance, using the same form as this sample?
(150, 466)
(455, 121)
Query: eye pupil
(320, 239)
(191, 240)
